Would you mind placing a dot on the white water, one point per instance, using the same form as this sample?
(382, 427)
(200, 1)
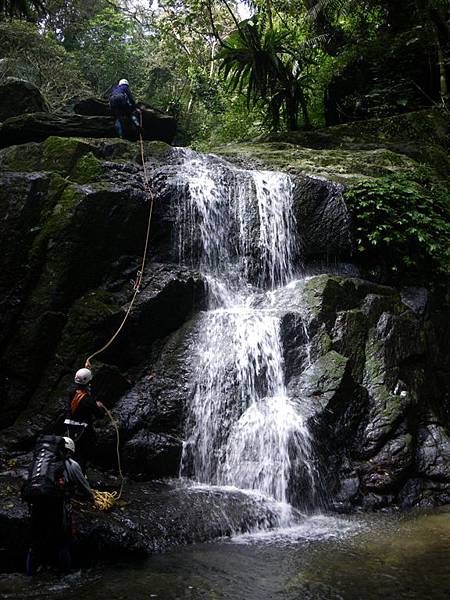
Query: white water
(239, 229)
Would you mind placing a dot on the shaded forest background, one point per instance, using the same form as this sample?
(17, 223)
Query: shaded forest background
(293, 64)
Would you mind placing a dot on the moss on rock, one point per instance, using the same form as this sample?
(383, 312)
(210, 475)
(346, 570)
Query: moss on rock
(24, 158)
(86, 315)
(61, 154)
(60, 205)
(340, 165)
(87, 168)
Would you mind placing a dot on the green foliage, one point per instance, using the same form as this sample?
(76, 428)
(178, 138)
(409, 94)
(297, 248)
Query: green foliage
(39, 58)
(403, 224)
(21, 8)
(262, 63)
(110, 49)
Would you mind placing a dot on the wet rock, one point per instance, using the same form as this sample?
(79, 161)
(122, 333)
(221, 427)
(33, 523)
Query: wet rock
(390, 465)
(416, 299)
(348, 337)
(322, 217)
(433, 453)
(152, 455)
(294, 340)
(19, 97)
(321, 382)
(152, 517)
(38, 126)
(92, 107)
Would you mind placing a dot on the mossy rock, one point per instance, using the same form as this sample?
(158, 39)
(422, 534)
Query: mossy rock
(87, 315)
(87, 169)
(340, 165)
(348, 338)
(325, 294)
(24, 158)
(61, 154)
(61, 202)
(322, 380)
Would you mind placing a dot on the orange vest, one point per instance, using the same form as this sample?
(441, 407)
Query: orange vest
(79, 395)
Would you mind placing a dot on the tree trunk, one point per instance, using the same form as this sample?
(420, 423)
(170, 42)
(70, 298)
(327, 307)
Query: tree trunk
(443, 89)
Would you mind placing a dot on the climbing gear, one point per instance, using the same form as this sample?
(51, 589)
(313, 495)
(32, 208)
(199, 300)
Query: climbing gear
(78, 397)
(69, 444)
(46, 473)
(83, 376)
(74, 429)
(123, 82)
(137, 282)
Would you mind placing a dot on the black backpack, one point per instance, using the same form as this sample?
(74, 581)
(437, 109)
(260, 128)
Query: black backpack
(46, 473)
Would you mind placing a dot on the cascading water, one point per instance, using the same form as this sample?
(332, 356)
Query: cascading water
(239, 229)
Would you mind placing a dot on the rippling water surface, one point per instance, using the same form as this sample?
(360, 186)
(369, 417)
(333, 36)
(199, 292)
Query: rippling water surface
(404, 557)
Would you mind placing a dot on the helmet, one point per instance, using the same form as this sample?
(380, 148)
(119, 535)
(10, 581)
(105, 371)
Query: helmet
(83, 376)
(69, 444)
(123, 82)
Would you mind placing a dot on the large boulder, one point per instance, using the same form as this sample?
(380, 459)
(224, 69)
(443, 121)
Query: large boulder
(361, 367)
(18, 97)
(38, 126)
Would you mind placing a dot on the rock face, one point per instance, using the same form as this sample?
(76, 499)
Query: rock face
(18, 97)
(370, 391)
(368, 364)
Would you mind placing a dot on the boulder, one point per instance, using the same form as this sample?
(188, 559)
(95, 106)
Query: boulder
(38, 126)
(151, 517)
(433, 453)
(92, 107)
(18, 97)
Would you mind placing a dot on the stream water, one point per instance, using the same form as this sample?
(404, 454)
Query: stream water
(370, 557)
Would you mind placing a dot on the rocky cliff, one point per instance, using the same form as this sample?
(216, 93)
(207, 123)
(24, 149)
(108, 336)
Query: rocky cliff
(74, 216)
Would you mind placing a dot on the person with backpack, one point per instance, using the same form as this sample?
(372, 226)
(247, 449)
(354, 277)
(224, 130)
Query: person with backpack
(83, 410)
(123, 108)
(53, 478)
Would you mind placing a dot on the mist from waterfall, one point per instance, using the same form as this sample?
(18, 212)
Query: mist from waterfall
(238, 228)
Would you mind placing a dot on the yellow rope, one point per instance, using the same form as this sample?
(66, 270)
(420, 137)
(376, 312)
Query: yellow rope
(106, 500)
(144, 258)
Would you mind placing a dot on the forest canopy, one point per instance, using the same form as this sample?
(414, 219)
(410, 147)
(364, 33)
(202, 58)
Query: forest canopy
(233, 70)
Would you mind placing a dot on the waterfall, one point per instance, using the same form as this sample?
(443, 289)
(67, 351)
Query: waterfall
(238, 228)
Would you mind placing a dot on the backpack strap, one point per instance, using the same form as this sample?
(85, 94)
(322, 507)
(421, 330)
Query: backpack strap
(74, 403)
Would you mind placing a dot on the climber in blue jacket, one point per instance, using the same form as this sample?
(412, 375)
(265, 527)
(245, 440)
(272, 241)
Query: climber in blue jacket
(123, 107)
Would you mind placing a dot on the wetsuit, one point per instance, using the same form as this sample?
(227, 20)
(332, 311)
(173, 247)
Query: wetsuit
(51, 522)
(83, 411)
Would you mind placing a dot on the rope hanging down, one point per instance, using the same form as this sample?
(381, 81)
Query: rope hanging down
(106, 500)
(138, 280)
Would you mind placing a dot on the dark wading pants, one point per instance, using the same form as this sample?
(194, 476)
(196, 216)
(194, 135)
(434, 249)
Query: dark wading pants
(51, 535)
(85, 441)
(123, 113)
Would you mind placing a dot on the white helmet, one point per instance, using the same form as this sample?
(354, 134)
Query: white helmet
(83, 376)
(123, 82)
(69, 444)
